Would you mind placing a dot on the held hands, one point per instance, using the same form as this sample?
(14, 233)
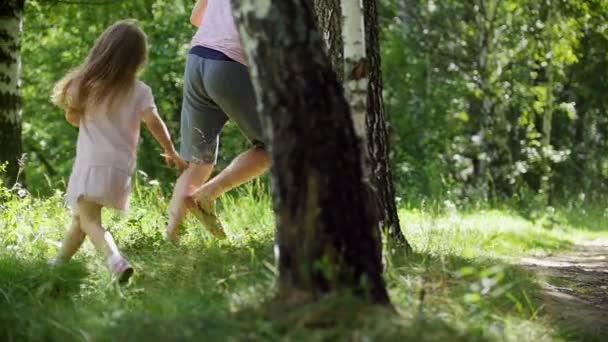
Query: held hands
(174, 160)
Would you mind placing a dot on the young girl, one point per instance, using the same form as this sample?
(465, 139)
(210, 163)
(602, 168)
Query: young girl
(104, 98)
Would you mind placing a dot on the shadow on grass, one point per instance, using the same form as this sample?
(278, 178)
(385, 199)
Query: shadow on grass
(27, 289)
(216, 291)
(193, 292)
(224, 291)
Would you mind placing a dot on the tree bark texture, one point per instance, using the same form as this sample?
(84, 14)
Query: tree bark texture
(11, 17)
(329, 22)
(326, 235)
(378, 146)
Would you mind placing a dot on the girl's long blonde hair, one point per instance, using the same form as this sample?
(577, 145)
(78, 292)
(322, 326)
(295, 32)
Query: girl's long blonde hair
(108, 73)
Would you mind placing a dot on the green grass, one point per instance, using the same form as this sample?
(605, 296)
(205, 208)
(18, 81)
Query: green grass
(462, 283)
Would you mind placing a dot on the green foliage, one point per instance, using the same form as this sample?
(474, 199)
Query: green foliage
(497, 99)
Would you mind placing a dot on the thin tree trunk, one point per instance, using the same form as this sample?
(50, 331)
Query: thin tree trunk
(11, 17)
(356, 72)
(377, 132)
(326, 237)
(481, 109)
(545, 177)
(380, 179)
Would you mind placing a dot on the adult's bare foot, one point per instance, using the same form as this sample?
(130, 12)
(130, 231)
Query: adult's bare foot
(204, 210)
(172, 234)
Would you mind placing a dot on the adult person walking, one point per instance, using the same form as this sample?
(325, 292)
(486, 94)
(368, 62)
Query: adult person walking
(217, 88)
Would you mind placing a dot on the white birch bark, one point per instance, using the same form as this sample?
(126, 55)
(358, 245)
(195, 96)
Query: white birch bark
(11, 18)
(356, 72)
(10, 64)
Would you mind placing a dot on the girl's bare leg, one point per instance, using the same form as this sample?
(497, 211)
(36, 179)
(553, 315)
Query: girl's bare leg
(90, 224)
(72, 241)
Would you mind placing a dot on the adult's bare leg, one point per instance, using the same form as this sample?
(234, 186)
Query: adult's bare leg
(245, 167)
(190, 180)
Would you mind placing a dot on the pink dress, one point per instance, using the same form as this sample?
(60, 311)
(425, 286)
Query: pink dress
(107, 150)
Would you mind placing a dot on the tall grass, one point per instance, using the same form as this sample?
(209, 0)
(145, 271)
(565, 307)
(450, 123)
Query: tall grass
(462, 283)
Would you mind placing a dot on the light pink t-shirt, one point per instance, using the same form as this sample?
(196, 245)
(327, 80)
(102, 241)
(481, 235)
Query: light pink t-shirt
(218, 31)
(110, 137)
(106, 151)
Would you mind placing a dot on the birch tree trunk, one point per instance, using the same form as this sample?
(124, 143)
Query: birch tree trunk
(378, 166)
(356, 71)
(11, 17)
(377, 132)
(326, 232)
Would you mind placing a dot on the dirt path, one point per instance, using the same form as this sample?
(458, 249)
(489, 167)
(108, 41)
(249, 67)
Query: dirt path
(576, 287)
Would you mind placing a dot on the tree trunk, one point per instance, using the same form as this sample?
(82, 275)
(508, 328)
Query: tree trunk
(481, 108)
(356, 71)
(329, 21)
(328, 13)
(377, 132)
(11, 17)
(546, 167)
(326, 237)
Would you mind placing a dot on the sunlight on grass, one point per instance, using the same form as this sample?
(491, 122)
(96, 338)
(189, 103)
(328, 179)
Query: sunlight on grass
(498, 233)
(487, 233)
(462, 283)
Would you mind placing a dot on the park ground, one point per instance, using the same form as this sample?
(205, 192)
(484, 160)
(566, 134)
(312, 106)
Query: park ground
(476, 274)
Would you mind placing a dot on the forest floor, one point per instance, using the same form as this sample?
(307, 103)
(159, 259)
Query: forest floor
(476, 274)
(575, 285)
